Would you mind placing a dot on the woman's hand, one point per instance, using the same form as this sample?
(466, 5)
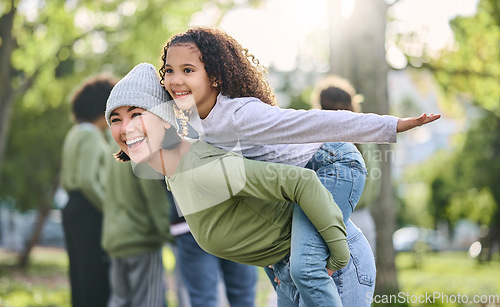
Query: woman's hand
(330, 272)
(405, 124)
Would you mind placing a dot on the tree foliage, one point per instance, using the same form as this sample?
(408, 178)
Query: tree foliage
(56, 44)
(473, 68)
(46, 49)
(463, 183)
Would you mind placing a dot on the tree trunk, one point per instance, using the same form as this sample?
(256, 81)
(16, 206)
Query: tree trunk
(7, 95)
(383, 213)
(358, 54)
(43, 213)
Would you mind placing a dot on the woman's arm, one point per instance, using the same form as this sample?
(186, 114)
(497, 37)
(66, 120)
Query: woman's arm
(279, 182)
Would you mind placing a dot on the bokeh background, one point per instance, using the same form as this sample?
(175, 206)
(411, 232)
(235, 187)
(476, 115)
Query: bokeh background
(436, 203)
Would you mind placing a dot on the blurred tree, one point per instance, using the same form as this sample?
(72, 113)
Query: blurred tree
(464, 183)
(33, 155)
(47, 48)
(474, 70)
(367, 71)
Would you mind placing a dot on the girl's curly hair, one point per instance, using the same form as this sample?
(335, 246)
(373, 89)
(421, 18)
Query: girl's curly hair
(236, 72)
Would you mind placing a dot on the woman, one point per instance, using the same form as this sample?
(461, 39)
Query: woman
(236, 208)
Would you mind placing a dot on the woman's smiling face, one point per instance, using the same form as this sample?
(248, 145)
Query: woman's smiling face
(137, 132)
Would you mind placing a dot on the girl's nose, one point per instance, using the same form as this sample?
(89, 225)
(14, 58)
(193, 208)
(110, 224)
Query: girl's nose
(176, 80)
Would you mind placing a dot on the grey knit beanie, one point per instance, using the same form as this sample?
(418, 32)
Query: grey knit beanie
(141, 88)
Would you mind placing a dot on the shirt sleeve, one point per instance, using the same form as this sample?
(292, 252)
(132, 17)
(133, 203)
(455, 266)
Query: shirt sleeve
(279, 182)
(89, 167)
(157, 204)
(259, 123)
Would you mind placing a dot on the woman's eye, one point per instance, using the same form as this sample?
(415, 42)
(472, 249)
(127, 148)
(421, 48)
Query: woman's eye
(136, 114)
(115, 120)
(169, 71)
(188, 70)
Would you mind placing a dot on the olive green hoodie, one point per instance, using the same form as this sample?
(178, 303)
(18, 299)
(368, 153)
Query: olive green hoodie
(241, 209)
(135, 211)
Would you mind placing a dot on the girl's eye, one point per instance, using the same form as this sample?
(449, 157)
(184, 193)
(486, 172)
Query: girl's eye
(188, 70)
(115, 120)
(136, 114)
(169, 71)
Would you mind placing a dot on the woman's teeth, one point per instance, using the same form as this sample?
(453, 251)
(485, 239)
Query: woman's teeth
(130, 143)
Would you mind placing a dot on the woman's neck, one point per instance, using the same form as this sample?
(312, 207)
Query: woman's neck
(166, 161)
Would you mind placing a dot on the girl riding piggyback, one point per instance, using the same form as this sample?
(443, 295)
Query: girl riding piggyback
(209, 72)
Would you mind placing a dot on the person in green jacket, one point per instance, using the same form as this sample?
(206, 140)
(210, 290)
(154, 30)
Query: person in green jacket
(84, 155)
(135, 228)
(236, 208)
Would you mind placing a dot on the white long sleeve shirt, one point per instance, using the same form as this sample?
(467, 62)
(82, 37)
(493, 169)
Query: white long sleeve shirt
(269, 133)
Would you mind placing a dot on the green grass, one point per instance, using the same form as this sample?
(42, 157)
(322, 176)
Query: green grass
(447, 275)
(45, 282)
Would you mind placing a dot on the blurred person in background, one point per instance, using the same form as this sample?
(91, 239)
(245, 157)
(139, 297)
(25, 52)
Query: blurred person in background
(136, 215)
(84, 157)
(202, 285)
(336, 93)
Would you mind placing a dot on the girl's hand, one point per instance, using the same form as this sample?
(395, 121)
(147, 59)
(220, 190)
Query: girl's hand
(405, 124)
(330, 272)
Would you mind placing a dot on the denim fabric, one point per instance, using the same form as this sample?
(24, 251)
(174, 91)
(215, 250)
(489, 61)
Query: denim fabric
(341, 169)
(201, 271)
(356, 281)
(308, 263)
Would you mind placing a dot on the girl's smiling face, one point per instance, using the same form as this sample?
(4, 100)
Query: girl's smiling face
(186, 79)
(137, 132)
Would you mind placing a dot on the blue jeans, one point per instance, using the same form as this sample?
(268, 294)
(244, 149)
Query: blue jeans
(354, 283)
(200, 273)
(341, 169)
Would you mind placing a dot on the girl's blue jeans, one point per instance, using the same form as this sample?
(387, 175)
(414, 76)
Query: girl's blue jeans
(304, 279)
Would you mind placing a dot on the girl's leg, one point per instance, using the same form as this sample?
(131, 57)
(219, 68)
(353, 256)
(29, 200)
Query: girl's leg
(308, 263)
(286, 290)
(340, 167)
(356, 282)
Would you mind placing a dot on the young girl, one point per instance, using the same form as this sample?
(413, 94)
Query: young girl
(210, 69)
(236, 208)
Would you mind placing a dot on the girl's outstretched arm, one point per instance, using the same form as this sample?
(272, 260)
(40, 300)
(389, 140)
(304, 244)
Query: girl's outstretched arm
(408, 123)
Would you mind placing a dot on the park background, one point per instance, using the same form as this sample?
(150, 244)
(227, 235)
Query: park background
(439, 183)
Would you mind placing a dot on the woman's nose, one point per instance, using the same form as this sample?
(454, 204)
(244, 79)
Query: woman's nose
(128, 127)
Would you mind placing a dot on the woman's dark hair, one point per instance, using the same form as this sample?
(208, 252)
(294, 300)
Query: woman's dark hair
(170, 140)
(236, 72)
(121, 156)
(89, 100)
